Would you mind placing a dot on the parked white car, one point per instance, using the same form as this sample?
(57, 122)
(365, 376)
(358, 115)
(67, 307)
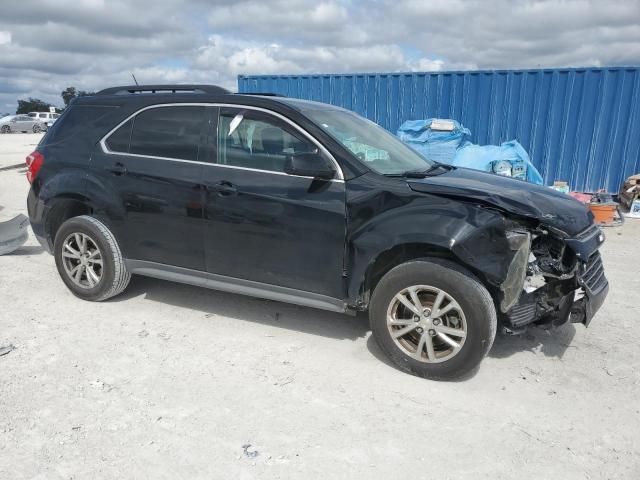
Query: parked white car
(45, 118)
(20, 123)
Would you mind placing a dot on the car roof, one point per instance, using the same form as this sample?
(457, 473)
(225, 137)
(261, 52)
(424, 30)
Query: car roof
(144, 95)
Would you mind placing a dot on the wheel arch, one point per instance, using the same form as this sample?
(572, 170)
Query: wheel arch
(387, 259)
(60, 209)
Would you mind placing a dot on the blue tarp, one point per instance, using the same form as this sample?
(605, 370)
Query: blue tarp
(454, 148)
(487, 157)
(440, 146)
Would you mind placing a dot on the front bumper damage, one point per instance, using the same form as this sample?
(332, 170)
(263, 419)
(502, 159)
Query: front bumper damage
(564, 281)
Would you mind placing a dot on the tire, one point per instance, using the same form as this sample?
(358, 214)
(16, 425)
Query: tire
(37, 128)
(110, 276)
(5, 129)
(468, 319)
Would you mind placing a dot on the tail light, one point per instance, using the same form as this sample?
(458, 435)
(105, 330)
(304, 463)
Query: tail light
(34, 162)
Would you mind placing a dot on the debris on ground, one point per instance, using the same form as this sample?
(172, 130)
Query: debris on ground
(13, 233)
(248, 453)
(605, 211)
(283, 381)
(7, 349)
(630, 194)
(100, 385)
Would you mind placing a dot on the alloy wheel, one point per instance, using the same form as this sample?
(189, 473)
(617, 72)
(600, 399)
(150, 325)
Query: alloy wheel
(427, 323)
(82, 260)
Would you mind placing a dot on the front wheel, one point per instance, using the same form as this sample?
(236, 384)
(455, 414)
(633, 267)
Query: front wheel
(433, 319)
(89, 260)
(5, 129)
(37, 128)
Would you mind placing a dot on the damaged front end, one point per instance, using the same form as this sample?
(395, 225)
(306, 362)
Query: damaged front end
(558, 278)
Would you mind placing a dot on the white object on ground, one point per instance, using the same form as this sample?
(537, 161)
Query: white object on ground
(13, 233)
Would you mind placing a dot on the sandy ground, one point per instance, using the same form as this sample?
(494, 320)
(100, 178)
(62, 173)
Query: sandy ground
(171, 381)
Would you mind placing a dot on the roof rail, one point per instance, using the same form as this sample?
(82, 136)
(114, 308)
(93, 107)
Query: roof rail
(262, 94)
(129, 89)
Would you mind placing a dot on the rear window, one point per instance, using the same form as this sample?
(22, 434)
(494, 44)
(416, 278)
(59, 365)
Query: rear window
(170, 132)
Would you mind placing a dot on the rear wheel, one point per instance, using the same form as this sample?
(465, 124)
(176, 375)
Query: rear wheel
(89, 260)
(434, 320)
(37, 128)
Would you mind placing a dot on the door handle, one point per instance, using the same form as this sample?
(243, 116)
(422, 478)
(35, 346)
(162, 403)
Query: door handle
(117, 169)
(225, 188)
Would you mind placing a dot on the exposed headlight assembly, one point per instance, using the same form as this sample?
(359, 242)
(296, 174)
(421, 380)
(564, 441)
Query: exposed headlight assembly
(520, 243)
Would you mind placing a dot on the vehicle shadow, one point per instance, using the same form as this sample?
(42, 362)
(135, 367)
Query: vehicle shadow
(266, 312)
(551, 343)
(319, 322)
(28, 250)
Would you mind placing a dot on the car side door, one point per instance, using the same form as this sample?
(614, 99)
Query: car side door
(263, 224)
(24, 123)
(149, 176)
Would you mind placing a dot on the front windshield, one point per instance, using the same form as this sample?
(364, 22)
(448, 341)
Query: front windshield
(370, 143)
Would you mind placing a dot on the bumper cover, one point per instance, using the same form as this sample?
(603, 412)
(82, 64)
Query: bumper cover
(596, 287)
(585, 309)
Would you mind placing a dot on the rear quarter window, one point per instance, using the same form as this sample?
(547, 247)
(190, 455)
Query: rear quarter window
(118, 141)
(75, 119)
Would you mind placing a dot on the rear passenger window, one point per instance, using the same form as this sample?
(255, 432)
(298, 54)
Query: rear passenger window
(118, 141)
(171, 132)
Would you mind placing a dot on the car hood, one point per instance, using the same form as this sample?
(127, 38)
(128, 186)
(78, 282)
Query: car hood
(517, 197)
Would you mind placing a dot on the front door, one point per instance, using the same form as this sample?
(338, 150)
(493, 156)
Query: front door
(151, 166)
(263, 224)
(24, 123)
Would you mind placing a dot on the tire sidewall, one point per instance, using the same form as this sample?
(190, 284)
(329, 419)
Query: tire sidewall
(480, 317)
(78, 225)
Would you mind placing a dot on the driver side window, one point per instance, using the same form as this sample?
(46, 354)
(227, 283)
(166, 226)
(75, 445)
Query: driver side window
(257, 140)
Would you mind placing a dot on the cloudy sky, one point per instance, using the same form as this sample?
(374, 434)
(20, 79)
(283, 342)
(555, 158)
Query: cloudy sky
(48, 45)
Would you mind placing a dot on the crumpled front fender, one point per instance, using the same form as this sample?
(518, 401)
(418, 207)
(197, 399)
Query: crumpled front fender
(473, 236)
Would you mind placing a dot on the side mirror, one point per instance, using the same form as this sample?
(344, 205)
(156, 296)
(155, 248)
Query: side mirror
(309, 165)
(14, 120)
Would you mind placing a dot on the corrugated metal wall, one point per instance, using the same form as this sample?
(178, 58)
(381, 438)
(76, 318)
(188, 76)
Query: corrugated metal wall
(578, 125)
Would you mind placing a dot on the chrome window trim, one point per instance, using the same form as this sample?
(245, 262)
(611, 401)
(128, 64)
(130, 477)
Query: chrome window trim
(105, 149)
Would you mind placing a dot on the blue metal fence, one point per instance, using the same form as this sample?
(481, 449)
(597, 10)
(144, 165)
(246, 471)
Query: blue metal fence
(579, 125)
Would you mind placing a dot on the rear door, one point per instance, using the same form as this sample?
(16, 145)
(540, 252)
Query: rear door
(150, 165)
(262, 224)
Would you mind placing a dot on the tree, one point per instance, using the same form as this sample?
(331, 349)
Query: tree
(70, 93)
(32, 105)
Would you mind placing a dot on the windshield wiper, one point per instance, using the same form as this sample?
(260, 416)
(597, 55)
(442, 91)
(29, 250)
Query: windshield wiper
(435, 169)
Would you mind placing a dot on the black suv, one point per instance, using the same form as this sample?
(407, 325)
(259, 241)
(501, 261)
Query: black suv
(307, 203)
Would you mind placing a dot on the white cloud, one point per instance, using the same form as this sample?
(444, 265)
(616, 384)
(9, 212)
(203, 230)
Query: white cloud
(48, 45)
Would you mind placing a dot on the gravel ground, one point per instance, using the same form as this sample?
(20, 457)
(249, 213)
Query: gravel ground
(173, 381)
